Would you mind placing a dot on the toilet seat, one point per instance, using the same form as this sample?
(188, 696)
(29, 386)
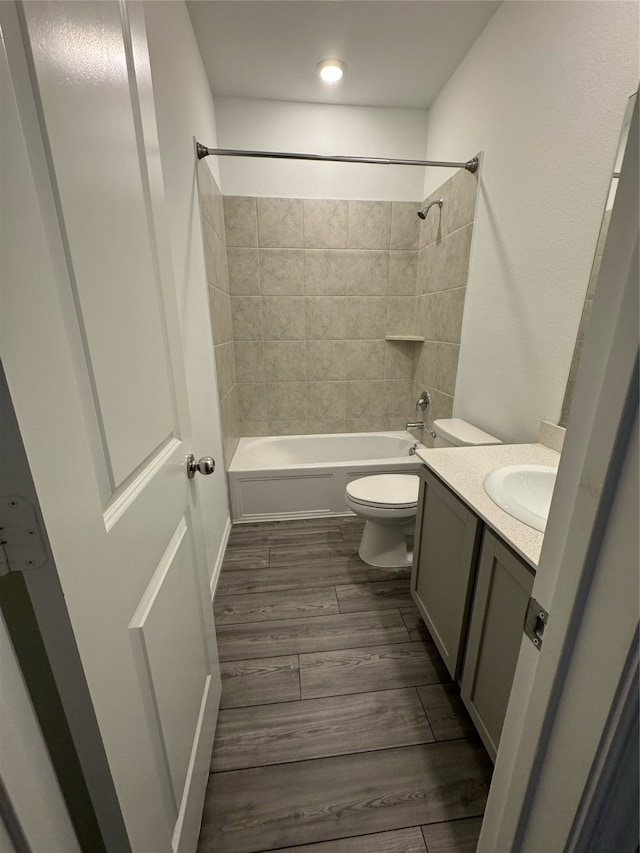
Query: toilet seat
(385, 491)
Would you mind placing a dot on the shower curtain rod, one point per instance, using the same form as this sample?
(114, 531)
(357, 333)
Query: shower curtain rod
(203, 151)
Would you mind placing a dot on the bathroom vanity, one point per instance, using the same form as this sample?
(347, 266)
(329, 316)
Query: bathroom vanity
(473, 571)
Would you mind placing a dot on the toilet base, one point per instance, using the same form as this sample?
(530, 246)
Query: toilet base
(386, 545)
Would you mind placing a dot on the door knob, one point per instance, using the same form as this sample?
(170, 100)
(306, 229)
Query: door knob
(206, 465)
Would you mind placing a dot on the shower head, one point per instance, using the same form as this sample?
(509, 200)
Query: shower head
(422, 213)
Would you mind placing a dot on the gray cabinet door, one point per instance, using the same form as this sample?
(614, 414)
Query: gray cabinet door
(447, 540)
(500, 603)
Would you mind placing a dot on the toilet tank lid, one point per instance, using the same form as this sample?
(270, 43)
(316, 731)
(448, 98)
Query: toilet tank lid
(463, 434)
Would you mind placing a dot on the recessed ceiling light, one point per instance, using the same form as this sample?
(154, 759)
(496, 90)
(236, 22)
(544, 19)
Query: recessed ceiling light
(331, 70)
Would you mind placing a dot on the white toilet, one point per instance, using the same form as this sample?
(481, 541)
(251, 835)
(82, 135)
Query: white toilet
(388, 502)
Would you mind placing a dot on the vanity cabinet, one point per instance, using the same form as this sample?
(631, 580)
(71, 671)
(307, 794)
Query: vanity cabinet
(472, 592)
(503, 588)
(446, 547)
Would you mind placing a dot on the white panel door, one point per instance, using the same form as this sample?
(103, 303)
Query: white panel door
(91, 346)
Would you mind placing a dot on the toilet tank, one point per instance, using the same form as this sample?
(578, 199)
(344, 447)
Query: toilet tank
(454, 432)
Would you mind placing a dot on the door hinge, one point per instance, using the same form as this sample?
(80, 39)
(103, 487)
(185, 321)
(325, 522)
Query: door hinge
(535, 622)
(21, 542)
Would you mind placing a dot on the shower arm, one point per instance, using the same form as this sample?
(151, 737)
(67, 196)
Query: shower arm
(202, 151)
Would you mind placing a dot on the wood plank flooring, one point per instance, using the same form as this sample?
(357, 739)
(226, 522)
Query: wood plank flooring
(339, 730)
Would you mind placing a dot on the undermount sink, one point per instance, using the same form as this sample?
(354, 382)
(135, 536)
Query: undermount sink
(524, 491)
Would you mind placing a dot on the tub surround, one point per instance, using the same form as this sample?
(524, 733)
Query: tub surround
(315, 286)
(318, 290)
(215, 255)
(307, 295)
(463, 470)
(441, 284)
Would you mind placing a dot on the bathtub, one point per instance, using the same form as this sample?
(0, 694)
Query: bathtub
(305, 476)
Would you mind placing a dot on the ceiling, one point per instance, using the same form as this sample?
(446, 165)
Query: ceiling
(398, 53)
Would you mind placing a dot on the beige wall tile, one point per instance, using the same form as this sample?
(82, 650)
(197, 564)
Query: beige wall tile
(296, 427)
(329, 360)
(457, 247)
(395, 396)
(220, 309)
(366, 317)
(462, 206)
(229, 423)
(249, 429)
(325, 223)
(215, 258)
(325, 400)
(367, 273)
(398, 359)
(364, 359)
(369, 225)
(244, 272)
(240, 221)
(395, 424)
(280, 223)
(326, 427)
(405, 225)
(286, 401)
(325, 272)
(283, 318)
(251, 402)
(446, 368)
(247, 318)
(401, 315)
(437, 366)
(225, 368)
(403, 273)
(424, 366)
(326, 317)
(249, 359)
(364, 399)
(285, 361)
(449, 314)
(281, 272)
(432, 267)
(364, 425)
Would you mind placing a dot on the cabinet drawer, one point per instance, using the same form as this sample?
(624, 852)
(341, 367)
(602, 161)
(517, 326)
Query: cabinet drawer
(502, 593)
(447, 540)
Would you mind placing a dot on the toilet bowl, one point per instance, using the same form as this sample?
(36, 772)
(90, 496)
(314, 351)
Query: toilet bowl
(388, 504)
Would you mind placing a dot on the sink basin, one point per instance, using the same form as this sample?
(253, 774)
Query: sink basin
(524, 491)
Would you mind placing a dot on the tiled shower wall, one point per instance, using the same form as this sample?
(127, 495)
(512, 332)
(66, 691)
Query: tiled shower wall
(212, 218)
(443, 265)
(312, 288)
(315, 287)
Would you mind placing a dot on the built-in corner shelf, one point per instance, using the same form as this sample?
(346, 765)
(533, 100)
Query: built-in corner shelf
(416, 338)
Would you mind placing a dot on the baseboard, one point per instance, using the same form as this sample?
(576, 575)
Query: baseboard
(219, 559)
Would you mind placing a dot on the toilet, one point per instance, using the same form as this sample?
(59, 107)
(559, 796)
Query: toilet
(388, 502)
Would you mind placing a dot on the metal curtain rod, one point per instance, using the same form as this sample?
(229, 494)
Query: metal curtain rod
(203, 151)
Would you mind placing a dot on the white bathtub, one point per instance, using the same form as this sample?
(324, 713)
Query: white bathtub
(302, 476)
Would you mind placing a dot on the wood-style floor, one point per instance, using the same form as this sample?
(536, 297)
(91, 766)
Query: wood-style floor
(340, 730)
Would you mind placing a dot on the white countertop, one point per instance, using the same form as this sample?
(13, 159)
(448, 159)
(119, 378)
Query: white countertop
(463, 470)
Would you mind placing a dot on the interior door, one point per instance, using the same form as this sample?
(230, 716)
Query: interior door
(90, 343)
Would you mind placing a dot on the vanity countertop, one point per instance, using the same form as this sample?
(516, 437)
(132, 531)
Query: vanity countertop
(463, 470)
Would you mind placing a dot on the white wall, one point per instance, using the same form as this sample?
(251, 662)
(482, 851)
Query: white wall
(184, 109)
(543, 93)
(320, 129)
